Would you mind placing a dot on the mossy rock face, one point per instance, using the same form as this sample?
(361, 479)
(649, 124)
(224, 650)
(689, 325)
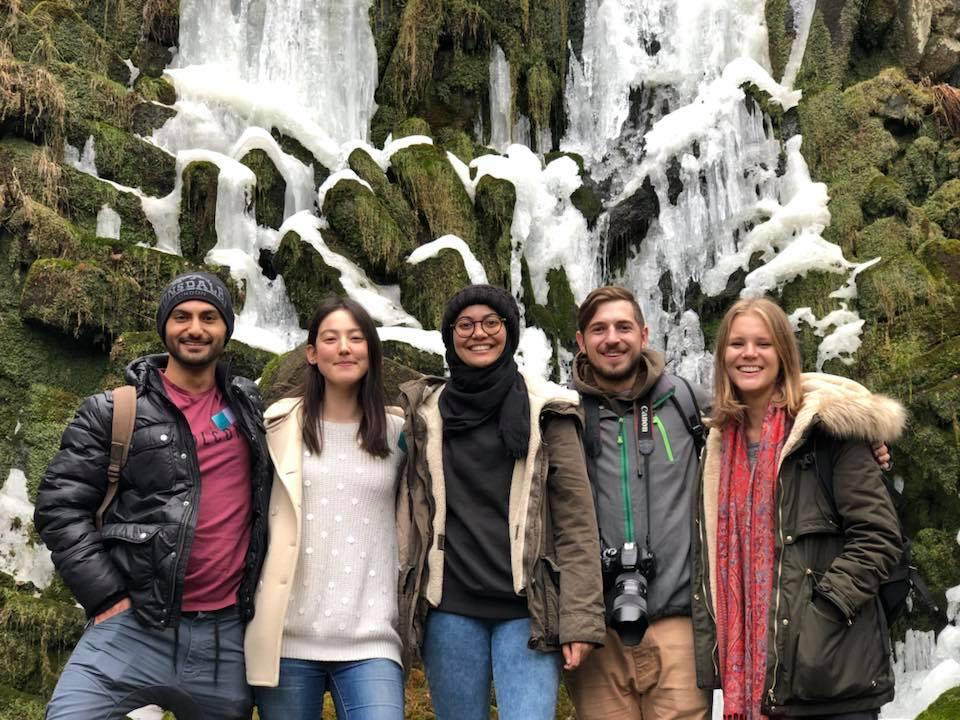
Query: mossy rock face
(126, 159)
(426, 286)
(409, 356)
(388, 193)
(145, 117)
(198, 210)
(945, 707)
(495, 202)
(937, 556)
(59, 32)
(93, 97)
(36, 641)
(151, 57)
(85, 196)
(79, 299)
(16, 705)
(456, 142)
(434, 189)
(365, 229)
(270, 192)
(161, 21)
(411, 126)
(43, 417)
(307, 277)
(884, 197)
(154, 89)
(943, 208)
(291, 146)
(558, 317)
(119, 23)
(40, 232)
(32, 102)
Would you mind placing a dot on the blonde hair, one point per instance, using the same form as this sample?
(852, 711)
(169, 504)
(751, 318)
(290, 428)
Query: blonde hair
(727, 407)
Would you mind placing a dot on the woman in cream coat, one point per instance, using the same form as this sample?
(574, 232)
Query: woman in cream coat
(326, 606)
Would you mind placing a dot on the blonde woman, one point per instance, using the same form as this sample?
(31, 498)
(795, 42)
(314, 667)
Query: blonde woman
(786, 578)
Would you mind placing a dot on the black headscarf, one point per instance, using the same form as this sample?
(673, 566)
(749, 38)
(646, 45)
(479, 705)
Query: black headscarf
(474, 395)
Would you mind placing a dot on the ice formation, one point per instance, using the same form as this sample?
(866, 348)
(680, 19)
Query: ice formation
(108, 223)
(19, 556)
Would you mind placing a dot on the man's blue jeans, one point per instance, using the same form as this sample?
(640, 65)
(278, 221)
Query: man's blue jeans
(361, 690)
(120, 665)
(463, 654)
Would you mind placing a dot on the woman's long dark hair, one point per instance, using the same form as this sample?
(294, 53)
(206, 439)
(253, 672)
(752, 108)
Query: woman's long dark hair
(373, 423)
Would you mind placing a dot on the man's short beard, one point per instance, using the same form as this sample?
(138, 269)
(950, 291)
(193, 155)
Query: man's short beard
(187, 361)
(627, 372)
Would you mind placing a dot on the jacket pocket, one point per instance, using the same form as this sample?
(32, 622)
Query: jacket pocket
(839, 660)
(544, 605)
(131, 547)
(150, 462)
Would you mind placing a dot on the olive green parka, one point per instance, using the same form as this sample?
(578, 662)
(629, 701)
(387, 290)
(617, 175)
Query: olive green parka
(817, 664)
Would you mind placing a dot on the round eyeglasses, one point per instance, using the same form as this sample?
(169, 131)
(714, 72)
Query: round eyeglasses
(491, 324)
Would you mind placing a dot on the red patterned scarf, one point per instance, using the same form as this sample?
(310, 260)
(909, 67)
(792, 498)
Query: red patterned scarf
(746, 530)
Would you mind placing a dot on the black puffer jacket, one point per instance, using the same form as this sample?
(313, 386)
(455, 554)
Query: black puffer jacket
(147, 532)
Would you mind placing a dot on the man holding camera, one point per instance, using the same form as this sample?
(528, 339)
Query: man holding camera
(642, 441)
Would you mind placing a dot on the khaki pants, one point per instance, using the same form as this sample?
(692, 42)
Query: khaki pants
(655, 680)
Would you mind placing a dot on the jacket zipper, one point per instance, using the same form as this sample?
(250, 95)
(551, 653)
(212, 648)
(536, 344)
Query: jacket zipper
(625, 485)
(776, 616)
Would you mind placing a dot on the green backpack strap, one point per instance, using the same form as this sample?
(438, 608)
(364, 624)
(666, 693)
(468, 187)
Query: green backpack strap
(124, 415)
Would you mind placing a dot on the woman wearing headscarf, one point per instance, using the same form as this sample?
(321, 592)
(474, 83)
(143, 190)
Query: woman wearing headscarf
(500, 559)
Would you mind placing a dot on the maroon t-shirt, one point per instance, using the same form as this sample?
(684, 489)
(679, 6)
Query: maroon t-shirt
(222, 534)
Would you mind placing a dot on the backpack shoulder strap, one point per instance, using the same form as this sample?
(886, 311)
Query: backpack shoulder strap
(686, 404)
(591, 425)
(124, 415)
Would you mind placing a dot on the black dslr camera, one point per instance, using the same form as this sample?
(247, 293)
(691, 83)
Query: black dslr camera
(626, 573)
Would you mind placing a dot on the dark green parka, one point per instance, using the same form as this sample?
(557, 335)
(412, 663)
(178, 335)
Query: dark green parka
(817, 664)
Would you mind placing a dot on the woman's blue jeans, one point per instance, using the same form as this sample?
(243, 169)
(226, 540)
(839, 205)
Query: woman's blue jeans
(361, 690)
(463, 654)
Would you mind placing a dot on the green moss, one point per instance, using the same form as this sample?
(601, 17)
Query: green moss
(270, 191)
(16, 705)
(126, 159)
(410, 67)
(432, 186)
(198, 210)
(943, 208)
(145, 117)
(364, 229)
(388, 193)
(425, 287)
(883, 197)
(411, 126)
(558, 317)
(937, 557)
(409, 356)
(307, 277)
(541, 91)
(90, 96)
(85, 196)
(495, 200)
(779, 41)
(292, 146)
(456, 142)
(154, 89)
(945, 707)
(74, 40)
(42, 420)
(916, 170)
(40, 232)
(36, 640)
(32, 102)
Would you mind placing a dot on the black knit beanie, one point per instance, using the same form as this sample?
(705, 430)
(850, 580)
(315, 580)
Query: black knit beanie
(195, 286)
(497, 298)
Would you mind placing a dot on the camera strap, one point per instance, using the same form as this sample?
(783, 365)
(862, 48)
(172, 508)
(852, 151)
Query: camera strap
(643, 429)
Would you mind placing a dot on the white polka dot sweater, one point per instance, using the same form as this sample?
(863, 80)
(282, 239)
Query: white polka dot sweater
(343, 603)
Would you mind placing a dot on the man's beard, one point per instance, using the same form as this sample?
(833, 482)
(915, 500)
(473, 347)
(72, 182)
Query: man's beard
(213, 354)
(629, 371)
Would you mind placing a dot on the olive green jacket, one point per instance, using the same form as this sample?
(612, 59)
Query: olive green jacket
(554, 543)
(817, 664)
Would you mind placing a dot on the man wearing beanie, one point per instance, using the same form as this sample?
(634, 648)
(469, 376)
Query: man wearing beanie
(168, 581)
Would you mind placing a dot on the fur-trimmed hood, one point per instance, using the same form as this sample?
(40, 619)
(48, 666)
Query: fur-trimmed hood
(847, 410)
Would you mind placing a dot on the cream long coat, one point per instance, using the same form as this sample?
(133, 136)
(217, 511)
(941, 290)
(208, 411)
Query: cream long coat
(284, 421)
